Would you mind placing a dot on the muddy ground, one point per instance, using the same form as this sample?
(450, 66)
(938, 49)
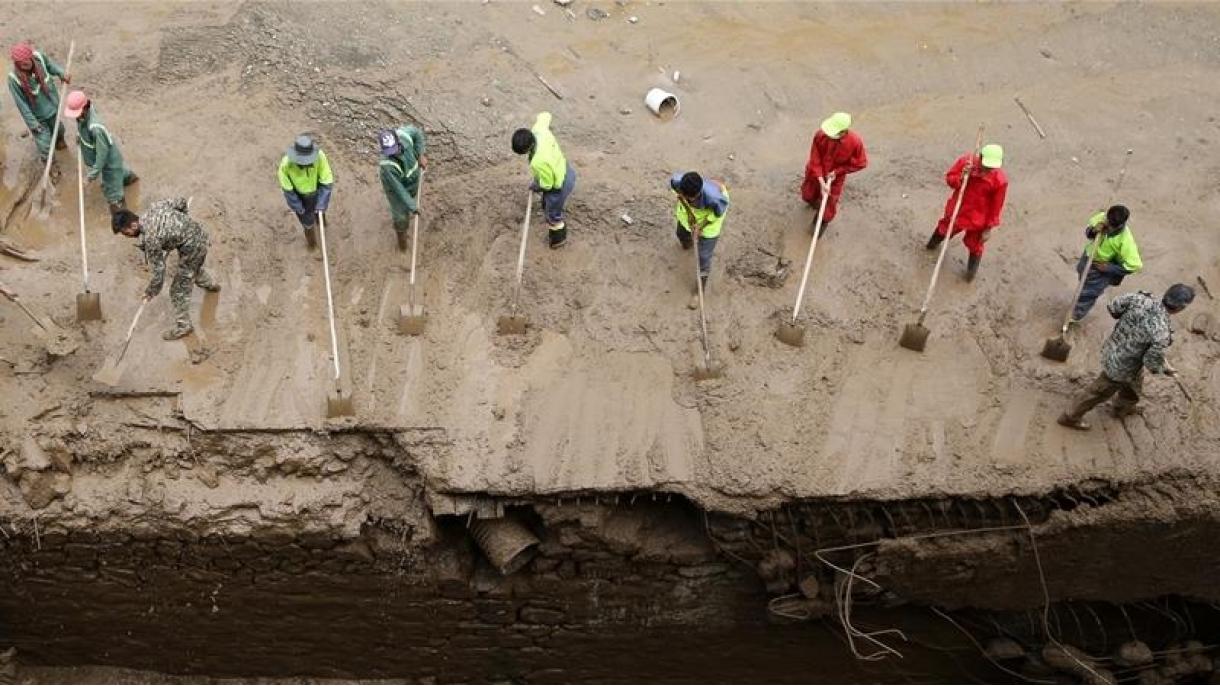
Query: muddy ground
(597, 397)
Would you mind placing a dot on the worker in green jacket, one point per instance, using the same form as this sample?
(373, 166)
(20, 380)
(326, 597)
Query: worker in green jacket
(306, 179)
(99, 150)
(1117, 256)
(402, 158)
(34, 92)
(553, 175)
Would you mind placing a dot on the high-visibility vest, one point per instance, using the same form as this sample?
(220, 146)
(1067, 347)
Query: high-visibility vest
(305, 180)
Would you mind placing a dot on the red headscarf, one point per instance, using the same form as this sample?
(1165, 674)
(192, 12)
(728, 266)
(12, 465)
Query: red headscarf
(22, 52)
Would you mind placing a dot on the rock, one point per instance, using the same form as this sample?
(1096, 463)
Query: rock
(1068, 659)
(627, 219)
(625, 110)
(562, 3)
(596, 14)
(632, 19)
(207, 475)
(32, 457)
(809, 587)
(1133, 654)
(42, 488)
(539, 11)
(1003, 648)
(486, 102)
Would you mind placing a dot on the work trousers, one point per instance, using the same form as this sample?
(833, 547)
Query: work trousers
(707, 246)
(1102, 389)
(309, 217)
(973, 240)
(1095, 284)
(554, 201)
(114, 179)
(43, 138)
(190, 273)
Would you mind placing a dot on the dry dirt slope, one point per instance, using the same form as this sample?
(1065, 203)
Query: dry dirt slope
(596, 396)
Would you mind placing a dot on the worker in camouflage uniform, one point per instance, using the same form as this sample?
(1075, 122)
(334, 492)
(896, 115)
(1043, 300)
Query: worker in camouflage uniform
(99, 150)
(34, 92)
(402, 158)
(1139, 340)
(166, 227)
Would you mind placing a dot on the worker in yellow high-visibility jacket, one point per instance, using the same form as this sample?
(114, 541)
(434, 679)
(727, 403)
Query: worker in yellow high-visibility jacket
(306, 180)
(553, 175)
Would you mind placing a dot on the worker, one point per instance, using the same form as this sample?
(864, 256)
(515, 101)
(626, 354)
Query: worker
(836, 152)
(553, 175)
(982, 205)
(306, 180)
(34, 91)
(402, 158)
(1139, 340)
(1116, 257)
(99, 151)
(164, 228)
(701, 206)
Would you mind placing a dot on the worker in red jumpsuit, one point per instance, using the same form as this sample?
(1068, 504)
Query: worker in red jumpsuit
(836, 152)
(982, 206)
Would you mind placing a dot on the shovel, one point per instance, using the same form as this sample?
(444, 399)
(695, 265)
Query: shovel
(338, 401)
(789, 332)
(110, 372)
(46, 172)
(915, 336)
(514, 323)
(1058, 348)
(88, 303)
(56, 340)
(411, 318)
(708, 370)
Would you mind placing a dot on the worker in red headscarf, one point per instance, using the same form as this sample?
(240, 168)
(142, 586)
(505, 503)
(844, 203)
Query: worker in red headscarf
(982, 205)
(836, 152)
(33, 88)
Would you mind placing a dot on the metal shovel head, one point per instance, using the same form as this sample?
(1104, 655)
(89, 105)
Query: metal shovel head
(513, 324)
(339, 404)
(790, 333)
(88, 307)
(411, 321)
(1057, 349)
(706, 372)
(914, 337)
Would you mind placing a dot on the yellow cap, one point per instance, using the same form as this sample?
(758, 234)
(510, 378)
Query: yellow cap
(993, 156)
(836, 124)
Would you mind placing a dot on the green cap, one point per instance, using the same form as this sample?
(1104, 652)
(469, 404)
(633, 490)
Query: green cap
(836, 124)
(993, 156)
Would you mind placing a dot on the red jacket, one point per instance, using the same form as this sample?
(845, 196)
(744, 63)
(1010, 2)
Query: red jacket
(984, 201)
(843, 156)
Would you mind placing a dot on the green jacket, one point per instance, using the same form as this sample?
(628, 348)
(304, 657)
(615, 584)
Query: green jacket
(400, 173)
(1117, 249)
(547, 162)
(46, 103)
(98, 148)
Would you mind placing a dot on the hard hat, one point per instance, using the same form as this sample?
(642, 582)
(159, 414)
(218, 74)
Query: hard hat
(993, 156)
(836, 124)
(75, 104)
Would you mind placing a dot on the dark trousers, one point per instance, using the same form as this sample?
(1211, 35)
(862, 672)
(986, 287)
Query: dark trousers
(553, 201)
(1095, 284)
(1101, 390)
(310, 216)
(707, 246)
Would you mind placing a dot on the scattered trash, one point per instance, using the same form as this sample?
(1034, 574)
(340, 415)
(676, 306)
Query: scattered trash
(1075, 159)
(596, 14)
(1029, 115)
(632, 19)
(625, 110)
(1046, 53)
(627, 219)
(539, 11)
(562, 3)
(486, 101)
(677, 75)
(662, 103)
(549, 87)
(732, 156)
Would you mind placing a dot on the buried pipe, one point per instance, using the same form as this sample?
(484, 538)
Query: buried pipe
(505, 542)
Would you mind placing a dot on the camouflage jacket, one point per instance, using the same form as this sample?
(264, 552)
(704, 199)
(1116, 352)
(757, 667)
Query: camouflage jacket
(166, 227)
(1139, 339)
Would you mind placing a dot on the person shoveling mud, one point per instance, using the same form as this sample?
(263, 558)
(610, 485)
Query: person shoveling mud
(99, 151)
(402, 160)
(1139, 340)
(702, 206)
(32, 85)
(981, 206)
(836, 151)
(58, 342)
(166, 227)
(306, 180)
(553, 175)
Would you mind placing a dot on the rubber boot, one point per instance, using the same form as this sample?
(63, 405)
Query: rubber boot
(311, 237)
(694, 296)
(559, 236)
(131, 178)
(972, 266)
(402, 241)
(935, 241)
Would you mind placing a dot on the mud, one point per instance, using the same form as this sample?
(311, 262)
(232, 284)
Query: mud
(221, 439)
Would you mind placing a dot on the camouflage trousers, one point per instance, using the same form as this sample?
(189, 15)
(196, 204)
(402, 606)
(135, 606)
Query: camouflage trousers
(190, 273)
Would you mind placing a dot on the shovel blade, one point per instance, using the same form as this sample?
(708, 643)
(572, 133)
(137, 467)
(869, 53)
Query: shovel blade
(88, 307)
(411, 321)
(792, 334)
(339, 404)
(109, 374)
(1057, 349)
(706, 372)
(513, 324)
(914, 337)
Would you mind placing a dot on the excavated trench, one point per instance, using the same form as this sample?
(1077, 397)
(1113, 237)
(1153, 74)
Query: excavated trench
(376, 575)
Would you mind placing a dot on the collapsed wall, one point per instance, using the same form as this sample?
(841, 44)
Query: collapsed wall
(299, 553)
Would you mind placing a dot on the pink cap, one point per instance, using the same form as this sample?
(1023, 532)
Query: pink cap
(21, 52)
(76, 102)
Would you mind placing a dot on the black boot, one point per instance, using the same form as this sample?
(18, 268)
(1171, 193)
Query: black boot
(934, 241)
(311, 237)
(558, 237)
(972, 266)
(402, 241)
